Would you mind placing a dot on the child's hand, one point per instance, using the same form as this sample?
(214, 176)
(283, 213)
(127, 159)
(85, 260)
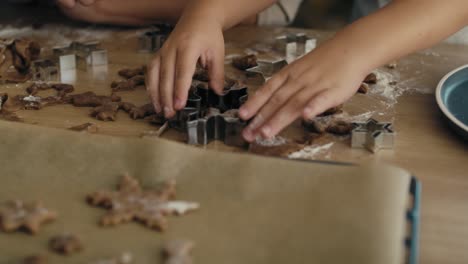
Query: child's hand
(322, 79)
(72, 3)
(170, 72)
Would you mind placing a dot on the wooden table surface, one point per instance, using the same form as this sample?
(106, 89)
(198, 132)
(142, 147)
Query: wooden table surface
(424, 146)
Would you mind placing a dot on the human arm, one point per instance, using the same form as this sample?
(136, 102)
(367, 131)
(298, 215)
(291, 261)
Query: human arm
(198, 37)
(332, 73)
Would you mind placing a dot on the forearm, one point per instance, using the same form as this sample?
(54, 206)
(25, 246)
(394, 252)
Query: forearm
(227, 13)
(136, 12)
(402, 27)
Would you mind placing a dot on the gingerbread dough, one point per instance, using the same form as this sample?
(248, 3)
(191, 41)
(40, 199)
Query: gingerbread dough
(245, 62)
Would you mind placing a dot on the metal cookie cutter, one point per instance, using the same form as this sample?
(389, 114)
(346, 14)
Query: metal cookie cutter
(88, 53)
(226, 127)
(265, 70)
(209, 116)
(232, 98)
(154, 39)
(293, 46)
(372, 135)
(45, 71)
(191, 112)
(66, 58)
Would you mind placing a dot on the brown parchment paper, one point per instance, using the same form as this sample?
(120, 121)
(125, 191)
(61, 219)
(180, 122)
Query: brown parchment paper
(253, 209)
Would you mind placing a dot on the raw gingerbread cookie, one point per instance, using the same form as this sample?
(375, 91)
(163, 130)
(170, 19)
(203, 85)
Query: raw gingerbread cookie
(34, 102)
(129, 73)
(65, 244)
(339, 127)
(61, 88)
(35, 259)
(106, 112)
(329, 125)
(131, 203)
(371, 78)
(128, 85)
(90, 99)
(16, 57)
(142, 111)
(88, 127)
(15, 215)
(244, 62)
(178, 252)
(24, 51)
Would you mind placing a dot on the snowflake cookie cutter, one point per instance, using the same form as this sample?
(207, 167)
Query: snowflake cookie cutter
(226, 127)
(209, 116)
(293, 46)
(152, 40)
(265, 70)
(373, 135)
(86, 53)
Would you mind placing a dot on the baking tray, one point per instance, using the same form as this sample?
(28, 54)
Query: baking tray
(452, 98)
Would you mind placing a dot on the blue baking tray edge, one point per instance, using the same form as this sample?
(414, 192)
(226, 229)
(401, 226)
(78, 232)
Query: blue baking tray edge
(413, 216)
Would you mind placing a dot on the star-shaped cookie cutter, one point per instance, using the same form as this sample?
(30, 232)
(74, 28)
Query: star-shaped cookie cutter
(293, 46)
(209, 116)
(153, 40)
(86, 53)
(45, 70)
(372, 135)
(264, 70)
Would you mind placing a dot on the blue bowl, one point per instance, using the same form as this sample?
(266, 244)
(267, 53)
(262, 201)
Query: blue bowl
(452, 98)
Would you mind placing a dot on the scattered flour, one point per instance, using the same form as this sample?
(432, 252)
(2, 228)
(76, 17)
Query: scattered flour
(273, 142)
(310, 152)
(387, 86)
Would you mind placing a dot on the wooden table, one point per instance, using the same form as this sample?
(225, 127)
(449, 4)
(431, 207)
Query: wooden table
(424, 145)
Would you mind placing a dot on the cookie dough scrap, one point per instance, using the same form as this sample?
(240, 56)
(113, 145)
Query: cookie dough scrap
(323, 125)
(86, 127)
(363, 88)
(178, 252)
(131, 203)
(106, 112)
(65, 244)
(244, 62)
(371, 78)
(16, 215)
(128, 85)
(90, 99)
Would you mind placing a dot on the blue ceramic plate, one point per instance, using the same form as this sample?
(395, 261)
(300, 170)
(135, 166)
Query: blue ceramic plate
(452, 98)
